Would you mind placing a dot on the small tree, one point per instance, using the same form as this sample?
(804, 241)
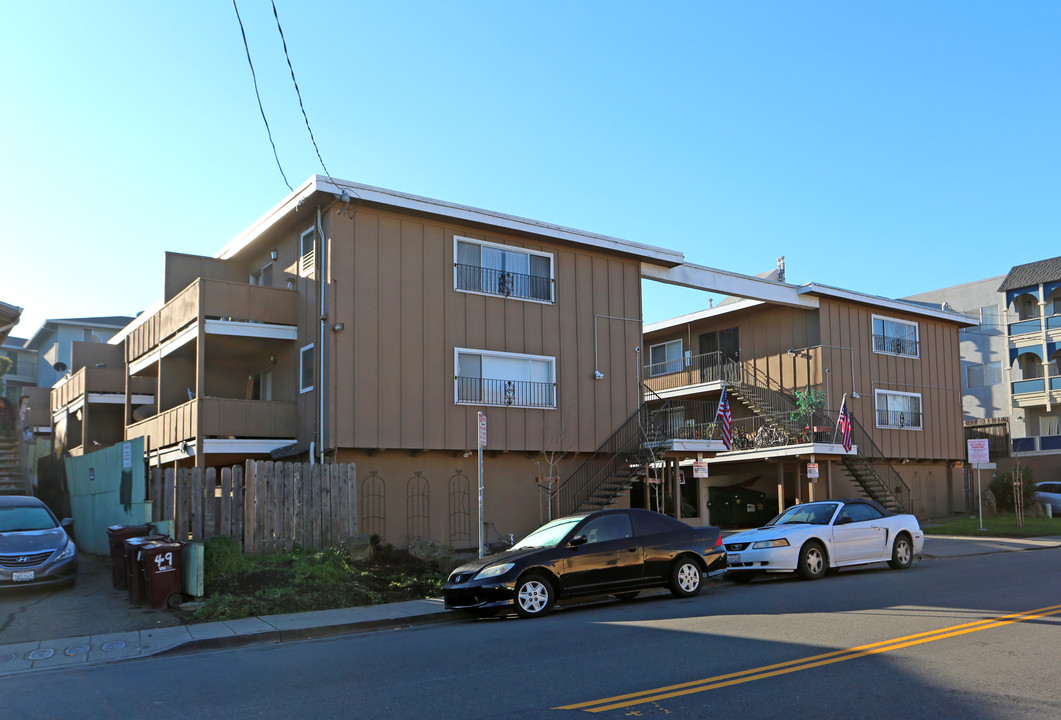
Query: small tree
(548, 479)
(5, 364)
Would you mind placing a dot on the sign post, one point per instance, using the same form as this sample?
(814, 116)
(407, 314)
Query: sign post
(979, 455)
(481, 443)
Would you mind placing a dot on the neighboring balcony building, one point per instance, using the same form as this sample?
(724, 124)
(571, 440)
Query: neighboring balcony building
(786, 368)
(23, 371)
(1032, 296)
(1011, 383)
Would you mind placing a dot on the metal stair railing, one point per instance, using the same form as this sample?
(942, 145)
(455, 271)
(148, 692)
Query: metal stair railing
(771, 401)
(625, 445)
(882, 483)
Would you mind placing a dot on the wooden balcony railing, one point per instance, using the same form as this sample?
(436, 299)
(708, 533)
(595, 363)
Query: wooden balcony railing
(215, 299)
(222, 417)
(97, 380)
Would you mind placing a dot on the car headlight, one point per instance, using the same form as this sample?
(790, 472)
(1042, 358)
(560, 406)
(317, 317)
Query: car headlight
(776, 542)
(68, 551)
(495, 570)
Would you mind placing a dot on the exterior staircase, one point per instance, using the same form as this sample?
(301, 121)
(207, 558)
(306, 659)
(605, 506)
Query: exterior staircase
(869, 469)
(873, 473)
(14, 480)
(612, 469)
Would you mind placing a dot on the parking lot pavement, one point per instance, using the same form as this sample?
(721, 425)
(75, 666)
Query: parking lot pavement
(91, 607)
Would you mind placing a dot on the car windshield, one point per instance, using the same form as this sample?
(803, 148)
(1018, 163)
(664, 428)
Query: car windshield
(13, 519)
(548, 535)
(810, 514)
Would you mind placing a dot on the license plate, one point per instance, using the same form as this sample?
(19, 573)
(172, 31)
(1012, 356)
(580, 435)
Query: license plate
(733, 558)
(22, 575)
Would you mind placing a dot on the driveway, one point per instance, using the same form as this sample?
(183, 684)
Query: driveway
(91, 607)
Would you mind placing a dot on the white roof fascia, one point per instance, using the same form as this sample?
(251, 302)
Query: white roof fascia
(266, 221)
(699, 277)
(896, 305)
(701, 314)
(393, 198)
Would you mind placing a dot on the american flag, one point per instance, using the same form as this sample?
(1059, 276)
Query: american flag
(844, 424)
(727, 420)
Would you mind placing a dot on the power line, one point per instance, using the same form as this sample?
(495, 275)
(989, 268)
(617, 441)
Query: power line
(258, 95)
(299, 93)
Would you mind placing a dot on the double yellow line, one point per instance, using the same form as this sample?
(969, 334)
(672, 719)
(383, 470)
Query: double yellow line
(767, 671)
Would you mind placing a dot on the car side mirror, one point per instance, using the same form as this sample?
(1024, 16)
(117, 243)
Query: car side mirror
(67, 522)
(578, 540)
(843, 521)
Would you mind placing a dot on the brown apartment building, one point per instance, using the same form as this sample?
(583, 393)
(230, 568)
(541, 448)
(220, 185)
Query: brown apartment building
(355, 324)
(787, 368)
(352, 324)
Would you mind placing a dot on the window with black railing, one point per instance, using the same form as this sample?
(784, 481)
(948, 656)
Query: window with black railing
(511, 393)
(496, 269)
(504, 282)
(895, 337)
(898, 410)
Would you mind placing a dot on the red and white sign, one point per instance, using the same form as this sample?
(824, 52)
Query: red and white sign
(812, 471)
(978, 452)
(699, 470)
(482, 430)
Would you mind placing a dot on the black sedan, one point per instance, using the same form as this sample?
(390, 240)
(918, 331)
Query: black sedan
(34, 546)
(607, 552)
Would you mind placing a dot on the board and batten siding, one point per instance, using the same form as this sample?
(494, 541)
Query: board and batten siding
(391, 367)
(935, 375)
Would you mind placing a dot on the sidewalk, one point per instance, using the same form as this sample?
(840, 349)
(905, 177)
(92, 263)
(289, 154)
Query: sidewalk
(94, 649)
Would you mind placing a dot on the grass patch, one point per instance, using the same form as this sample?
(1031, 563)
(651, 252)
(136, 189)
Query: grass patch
(999, 526)
(239, 585)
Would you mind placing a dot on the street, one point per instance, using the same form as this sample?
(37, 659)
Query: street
(870, 643)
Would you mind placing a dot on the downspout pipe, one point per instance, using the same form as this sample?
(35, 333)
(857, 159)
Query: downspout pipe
(322, 281)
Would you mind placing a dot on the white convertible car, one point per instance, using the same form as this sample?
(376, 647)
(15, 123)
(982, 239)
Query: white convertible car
(812, 538)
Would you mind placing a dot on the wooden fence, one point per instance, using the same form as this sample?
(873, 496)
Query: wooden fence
(270, 507)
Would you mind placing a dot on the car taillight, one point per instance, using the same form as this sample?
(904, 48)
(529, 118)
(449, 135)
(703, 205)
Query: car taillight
(718, 540)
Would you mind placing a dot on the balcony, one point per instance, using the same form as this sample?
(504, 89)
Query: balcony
(221, 418)
(1037, 444)
(271, 311)
(97, 384)
(1025, 327)
(690, 371)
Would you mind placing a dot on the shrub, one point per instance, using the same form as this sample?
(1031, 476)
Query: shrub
(1002, 488)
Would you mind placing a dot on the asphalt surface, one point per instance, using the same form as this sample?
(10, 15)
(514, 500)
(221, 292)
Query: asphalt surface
(93, 622)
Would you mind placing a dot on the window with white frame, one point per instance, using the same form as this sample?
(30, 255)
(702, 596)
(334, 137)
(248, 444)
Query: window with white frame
(895, 337)
(665, 358)
(506, 379)
(984, 374)
(898, 410)
(495, 269)
(307, 252)
(305, 368)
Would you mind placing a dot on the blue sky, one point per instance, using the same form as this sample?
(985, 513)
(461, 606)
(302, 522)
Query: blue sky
(890, 148)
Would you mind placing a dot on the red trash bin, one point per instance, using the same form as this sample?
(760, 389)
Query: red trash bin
(161, 561)
(134, 570)
(116, 537)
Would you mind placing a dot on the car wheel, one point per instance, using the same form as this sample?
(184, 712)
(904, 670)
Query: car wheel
(534, 595)
(812, 564)
(742, 578)
(626, 596)
(902, 553)
(685, 578)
